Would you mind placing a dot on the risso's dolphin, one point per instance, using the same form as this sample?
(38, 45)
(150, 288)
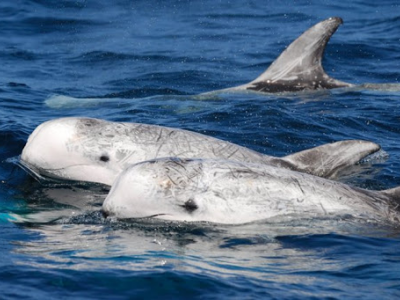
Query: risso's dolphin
(230, 192)
(94, 150)
(299, 67)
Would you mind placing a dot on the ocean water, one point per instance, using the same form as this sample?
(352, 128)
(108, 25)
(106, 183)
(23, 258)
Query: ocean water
(148, 61)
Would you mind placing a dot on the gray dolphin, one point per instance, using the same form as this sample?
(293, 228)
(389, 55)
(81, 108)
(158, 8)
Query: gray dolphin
(230, 192)
(299, 67)
(94, 150)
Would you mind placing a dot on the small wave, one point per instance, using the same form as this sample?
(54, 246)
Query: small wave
(117, 57)
(19, 55)
(44, 217)
(379, 156)
(5, 218)
(48, 24)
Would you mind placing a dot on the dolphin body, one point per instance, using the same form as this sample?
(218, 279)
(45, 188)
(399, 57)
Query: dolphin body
(94, 150)
(230, 192)
(299, 67)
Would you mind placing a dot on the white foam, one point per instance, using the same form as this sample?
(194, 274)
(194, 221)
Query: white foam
(379, 156)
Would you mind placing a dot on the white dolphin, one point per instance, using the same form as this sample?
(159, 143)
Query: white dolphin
(94, 150)
(230, 192)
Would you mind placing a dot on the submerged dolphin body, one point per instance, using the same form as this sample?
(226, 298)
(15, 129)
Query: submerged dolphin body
(299, 67)
(94, 150)
(230, 192)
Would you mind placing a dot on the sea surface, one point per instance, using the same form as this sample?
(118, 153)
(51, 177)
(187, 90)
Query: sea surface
(151, 62)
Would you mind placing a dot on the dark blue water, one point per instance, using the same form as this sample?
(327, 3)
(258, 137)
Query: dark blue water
(144, 61)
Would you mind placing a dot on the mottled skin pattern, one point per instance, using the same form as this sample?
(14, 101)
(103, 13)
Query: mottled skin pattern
(299, 67)
(300, 84)
(126, 143)
(232, 192)
(97, 150)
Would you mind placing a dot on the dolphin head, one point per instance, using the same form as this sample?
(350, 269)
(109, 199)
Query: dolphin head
(67, 148)
(162, 188)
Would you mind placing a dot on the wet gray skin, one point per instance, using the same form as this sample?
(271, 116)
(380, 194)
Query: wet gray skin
(95, 150)
(230, 192)
(299, 67)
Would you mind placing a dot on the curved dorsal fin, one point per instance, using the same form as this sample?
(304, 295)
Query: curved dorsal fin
(331, 160)
(299, 67)
(393, 196)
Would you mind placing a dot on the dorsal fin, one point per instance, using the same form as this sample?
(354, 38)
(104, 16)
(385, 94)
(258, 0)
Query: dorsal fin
(330, 160)
(393, 194)
(299, 67)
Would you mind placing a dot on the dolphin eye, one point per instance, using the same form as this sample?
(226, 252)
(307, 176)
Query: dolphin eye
(190, 205)
(104, 158)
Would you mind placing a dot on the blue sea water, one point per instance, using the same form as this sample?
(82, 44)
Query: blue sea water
(147, 61)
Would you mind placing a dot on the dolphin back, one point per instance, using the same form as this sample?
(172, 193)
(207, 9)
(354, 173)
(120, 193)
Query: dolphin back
(299, 67)
(330, 160)
(394, 197)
